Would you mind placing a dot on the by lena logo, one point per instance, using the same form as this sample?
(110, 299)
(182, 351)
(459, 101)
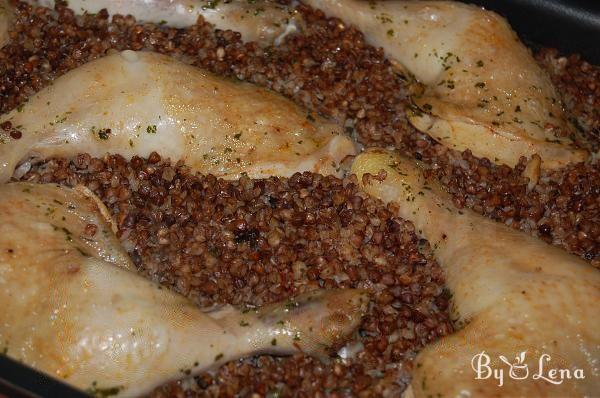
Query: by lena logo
(519, 370)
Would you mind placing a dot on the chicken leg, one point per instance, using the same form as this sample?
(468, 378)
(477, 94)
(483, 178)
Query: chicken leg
(74, 308)
(511, 294)
(263, 21)
(134, 103)
(482, 89)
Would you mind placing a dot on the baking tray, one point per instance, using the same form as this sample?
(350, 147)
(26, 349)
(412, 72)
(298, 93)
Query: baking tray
(20, 381)
(571, 26)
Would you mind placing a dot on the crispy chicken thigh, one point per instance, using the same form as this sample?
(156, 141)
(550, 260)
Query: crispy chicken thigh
(74, 308)
(511, 293)
(134, 103)
(482, 89)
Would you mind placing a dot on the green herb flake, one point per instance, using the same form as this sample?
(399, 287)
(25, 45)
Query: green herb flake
(211, 5)
(104, 134)
(98, 392)
(291, 304)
